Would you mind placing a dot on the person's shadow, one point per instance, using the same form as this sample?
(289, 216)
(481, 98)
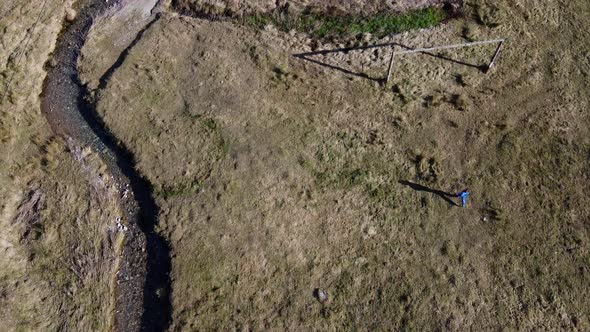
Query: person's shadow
(440, 193)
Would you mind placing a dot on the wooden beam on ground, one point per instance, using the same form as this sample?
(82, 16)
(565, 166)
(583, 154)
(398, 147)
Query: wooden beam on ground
(495, 54)
(447, 47)
(390, 65)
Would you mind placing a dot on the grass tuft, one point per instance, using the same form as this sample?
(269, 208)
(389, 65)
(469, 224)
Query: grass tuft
(182, 189)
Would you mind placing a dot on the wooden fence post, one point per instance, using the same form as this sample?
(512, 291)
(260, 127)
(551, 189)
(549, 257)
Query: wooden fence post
(390, 65)
(495, 54)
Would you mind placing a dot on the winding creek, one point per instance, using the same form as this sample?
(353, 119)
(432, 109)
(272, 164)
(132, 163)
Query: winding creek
(141, 299)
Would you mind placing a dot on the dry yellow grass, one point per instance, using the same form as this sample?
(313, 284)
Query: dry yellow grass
(296, 171)
(276, 177)
(58, 232)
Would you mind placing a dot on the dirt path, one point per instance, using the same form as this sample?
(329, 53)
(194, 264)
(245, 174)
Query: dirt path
(141, 299)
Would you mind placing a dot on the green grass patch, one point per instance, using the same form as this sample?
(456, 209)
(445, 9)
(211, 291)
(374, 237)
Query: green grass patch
(339, 26)
(181, 189)
(223, 143)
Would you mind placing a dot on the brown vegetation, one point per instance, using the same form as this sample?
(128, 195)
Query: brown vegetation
(278, 178)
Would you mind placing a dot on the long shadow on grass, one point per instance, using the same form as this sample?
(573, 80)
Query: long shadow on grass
(344, 70)
(442, 194)
(306, 56)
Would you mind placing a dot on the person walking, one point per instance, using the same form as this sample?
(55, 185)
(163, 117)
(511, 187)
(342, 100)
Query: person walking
(463, 196)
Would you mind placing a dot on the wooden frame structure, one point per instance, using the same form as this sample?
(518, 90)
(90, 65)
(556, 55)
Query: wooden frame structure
(500, 43)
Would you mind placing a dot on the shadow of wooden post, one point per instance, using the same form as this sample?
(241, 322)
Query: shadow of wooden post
(406, 50)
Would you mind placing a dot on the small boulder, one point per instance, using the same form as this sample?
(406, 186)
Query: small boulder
(70, 14)
(320, 295)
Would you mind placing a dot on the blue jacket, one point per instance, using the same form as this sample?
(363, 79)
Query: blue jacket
(463, 196)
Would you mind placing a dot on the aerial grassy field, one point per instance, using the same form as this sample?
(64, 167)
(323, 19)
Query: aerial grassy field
(279, 177)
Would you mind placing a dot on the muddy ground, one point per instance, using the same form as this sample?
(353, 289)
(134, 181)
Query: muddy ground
(276, 177)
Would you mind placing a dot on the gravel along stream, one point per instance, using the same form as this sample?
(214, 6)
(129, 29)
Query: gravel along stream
(142, 287)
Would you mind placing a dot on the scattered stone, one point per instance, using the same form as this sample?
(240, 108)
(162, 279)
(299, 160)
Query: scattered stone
(320, 295)
(120, 226)
(70, 14)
